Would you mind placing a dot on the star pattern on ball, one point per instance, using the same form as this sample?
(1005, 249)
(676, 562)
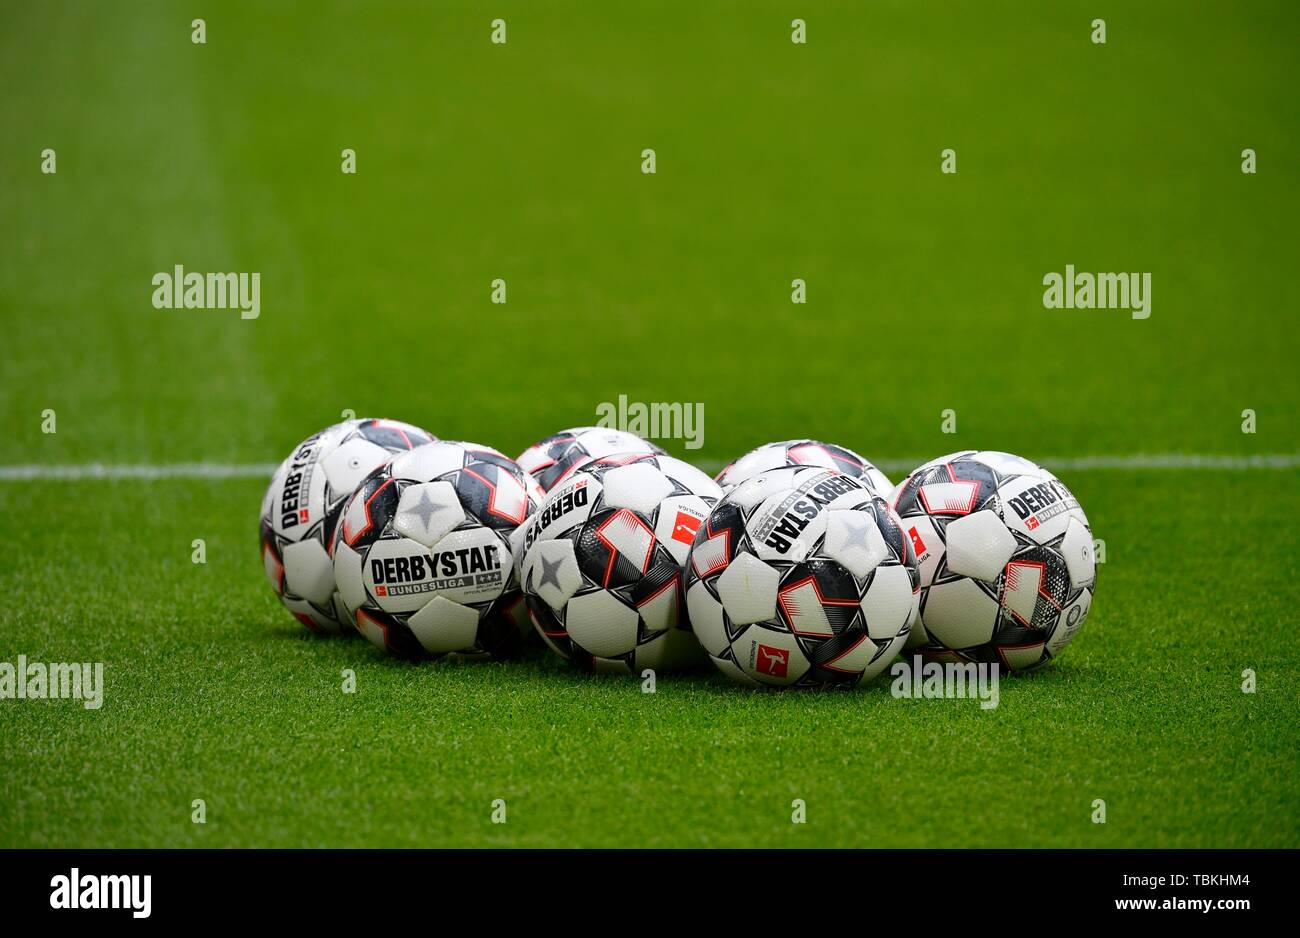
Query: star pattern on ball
(550, 573)
(857, 531)
(424, 509)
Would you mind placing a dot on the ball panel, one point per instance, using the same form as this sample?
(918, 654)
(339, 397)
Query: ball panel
(1069, 622)
(638, 486)
(351, 462)
(1008, 464)
(553, 573)
(427, 511)
(688, 477)
(494, 495)
(1021, 657)
(601, 624)
(847, 660)
(308, 571)
(1076, 548)
(885, 656)
(889, 603)
(748, 589)
(443, 626)
(707, 619)
(347, 574)
(959, 614)
(660, 609)
(854, 541)
(428, 462)
(979, 545)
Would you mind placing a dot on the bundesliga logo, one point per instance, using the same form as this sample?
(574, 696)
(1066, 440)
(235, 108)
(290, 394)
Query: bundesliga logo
(773, 661)
(684, 527)
(918, 545)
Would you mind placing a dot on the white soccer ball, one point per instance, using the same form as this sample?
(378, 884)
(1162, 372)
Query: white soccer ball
(302, 504)
(801, 577)
(803, 453)
(423, 552)
(602, 571)
(1006, 559)
(552, 459)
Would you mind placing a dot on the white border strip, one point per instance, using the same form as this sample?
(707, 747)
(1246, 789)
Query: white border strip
(259, 470)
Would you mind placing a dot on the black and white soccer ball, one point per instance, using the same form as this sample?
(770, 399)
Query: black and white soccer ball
(802, 577)
(803, 453)
(602, 568)
(423, 552)
(302, 504)
(551, 459)
(1006, 559)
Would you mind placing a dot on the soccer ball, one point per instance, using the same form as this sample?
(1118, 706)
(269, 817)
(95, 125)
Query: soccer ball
(302, 504)
(802, 453)
(802, 576)
(1006, 559)
(551, 459)
(423, 551)
(602, 572)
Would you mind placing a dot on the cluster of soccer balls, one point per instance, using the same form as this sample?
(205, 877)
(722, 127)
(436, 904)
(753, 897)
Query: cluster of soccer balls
(799, 565)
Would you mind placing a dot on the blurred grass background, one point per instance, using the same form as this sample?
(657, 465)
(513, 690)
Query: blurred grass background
(522, 161)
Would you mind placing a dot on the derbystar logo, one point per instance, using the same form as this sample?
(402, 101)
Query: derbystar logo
(556, 507)
(400, 576)
(685, 526)
(773, 661)
(296, 485)
(1041, 502)
(786, 521)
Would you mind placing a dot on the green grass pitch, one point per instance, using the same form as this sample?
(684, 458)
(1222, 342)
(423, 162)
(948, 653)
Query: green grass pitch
(522, 161)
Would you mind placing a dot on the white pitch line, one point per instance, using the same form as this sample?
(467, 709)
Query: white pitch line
(180, 470)
(36, 472)
(1138, 461)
